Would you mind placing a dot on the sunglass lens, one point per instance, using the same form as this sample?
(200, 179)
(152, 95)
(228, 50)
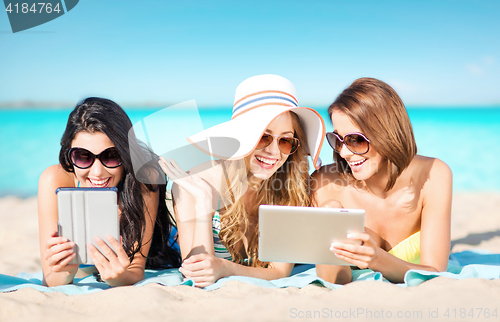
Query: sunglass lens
(338, 144)
(82, 158)
(265, 140)
(334, 141)
(110, 158)
(288, 145)
(357, 143)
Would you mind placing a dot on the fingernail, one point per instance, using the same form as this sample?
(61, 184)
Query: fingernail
(350, 235)
(332, 246)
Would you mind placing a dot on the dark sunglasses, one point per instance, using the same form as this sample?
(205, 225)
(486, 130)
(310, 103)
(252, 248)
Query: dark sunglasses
(357, 143)
(84, 159)
(287, 145)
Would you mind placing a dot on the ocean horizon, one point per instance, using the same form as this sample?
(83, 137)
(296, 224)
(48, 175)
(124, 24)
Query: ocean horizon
(30, 140)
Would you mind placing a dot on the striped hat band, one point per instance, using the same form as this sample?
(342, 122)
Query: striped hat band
(262, 98)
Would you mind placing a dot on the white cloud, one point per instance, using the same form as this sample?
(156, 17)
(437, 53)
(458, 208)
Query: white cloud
(489, 60)
(475, 69)
(481, 68)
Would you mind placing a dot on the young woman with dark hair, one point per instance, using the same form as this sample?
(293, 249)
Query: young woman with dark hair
(96, 150)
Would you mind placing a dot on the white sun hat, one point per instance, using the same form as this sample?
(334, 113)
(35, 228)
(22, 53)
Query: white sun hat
(258, 101)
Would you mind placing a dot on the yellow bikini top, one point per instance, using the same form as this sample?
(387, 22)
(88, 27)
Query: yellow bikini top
(408, 249)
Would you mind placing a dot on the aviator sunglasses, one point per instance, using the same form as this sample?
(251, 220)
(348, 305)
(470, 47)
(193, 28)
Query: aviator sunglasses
(84, 159)
(357, 143)
(287, 145)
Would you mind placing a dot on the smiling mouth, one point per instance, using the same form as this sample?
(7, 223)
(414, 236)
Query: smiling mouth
(357, 163)
(99, 183)
(265, 162)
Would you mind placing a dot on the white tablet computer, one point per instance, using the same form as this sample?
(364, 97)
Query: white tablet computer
(305, 234)
(85, 213)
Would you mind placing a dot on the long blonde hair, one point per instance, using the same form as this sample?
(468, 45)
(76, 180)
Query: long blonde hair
(289, 186)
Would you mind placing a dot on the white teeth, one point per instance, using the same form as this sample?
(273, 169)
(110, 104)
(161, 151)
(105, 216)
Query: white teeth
(266, 161)
(357, 163)
(99, 182)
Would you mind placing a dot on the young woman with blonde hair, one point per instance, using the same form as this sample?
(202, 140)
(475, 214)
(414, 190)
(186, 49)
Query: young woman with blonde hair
(262, 154)
(407, 197)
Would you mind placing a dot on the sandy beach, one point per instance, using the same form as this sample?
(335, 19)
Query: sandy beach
(475, 225)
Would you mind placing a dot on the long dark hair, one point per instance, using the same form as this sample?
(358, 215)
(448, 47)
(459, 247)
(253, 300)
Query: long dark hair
(102, 115)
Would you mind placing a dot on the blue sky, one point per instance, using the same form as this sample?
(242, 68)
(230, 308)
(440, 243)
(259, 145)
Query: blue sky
(432, 52)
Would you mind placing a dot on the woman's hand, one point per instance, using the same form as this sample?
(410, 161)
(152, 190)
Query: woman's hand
(204, 269)
(363, 256)
(198, 188)
(59, 252)
(111, 266)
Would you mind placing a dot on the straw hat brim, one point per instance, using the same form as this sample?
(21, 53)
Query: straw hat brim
(237, 138)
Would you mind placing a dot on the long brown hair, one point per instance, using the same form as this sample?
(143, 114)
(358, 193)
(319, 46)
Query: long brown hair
(378, 111)
(289, 185)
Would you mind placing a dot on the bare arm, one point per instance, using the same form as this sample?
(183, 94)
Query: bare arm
(436, 218)
(324, 194)
(195, 201)
(194, 198)
(194, 223)
(273, 271)
(197, 247)
(435, 233)
(55, 252)
(435, 228)
(206, 269)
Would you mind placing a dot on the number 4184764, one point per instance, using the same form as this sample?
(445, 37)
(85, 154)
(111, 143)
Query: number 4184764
(471, 313)
(35, 8)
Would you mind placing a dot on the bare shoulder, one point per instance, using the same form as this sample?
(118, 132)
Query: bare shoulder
(439, 167)
(56, 176)
(435, 174)
(436, 168)
(326, 186)
(324, 177)
(51, 178)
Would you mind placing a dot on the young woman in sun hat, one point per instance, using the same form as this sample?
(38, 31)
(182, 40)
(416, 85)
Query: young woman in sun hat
(407, 197)
(262, 154)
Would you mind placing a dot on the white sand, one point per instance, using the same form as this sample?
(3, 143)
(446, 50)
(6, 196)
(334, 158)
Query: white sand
(475, 224)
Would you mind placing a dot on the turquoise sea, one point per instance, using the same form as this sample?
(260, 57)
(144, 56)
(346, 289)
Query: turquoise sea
(466, 138)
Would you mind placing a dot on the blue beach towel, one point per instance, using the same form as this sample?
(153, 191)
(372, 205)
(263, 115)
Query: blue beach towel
(468, 264)
(88, 284)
